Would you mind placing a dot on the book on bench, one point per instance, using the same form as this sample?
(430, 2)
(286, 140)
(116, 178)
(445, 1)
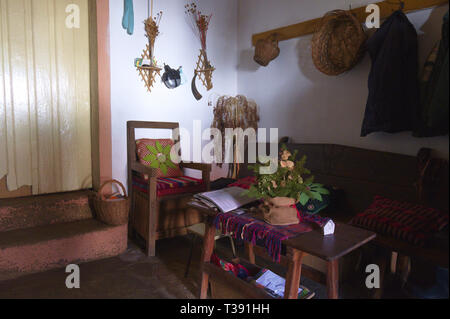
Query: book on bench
(226, 199)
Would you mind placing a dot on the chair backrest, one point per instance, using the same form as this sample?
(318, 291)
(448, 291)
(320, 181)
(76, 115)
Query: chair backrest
(131, 138)
(131, 133)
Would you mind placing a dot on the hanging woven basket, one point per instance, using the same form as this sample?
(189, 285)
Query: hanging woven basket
(338, 43)
(112, 211)
(266, 50)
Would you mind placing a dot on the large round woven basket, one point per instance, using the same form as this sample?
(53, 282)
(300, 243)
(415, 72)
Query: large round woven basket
(338, 43)
(112, 211)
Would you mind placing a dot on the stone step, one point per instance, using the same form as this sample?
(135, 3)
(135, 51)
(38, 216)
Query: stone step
(34, 211)
(37, 249)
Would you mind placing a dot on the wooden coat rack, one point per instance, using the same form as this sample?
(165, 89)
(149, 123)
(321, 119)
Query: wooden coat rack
(308, 27)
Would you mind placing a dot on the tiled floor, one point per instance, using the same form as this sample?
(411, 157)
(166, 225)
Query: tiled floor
(130, 275)
(133, 275)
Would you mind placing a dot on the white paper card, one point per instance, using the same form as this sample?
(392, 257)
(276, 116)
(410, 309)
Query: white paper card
(328, 229)
(274, 282)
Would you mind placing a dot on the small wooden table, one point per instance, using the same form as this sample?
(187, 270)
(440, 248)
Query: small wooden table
(330, 248)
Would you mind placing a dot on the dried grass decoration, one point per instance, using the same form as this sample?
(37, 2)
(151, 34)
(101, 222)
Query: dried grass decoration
(234, 112)
(204, 69)
(148, 68)
(338, 43)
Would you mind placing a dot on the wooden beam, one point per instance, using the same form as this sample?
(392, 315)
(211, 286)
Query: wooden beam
(308, 27)
(100, 92)
(94, 94)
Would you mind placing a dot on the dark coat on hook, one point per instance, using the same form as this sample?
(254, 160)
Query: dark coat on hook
(393, 80)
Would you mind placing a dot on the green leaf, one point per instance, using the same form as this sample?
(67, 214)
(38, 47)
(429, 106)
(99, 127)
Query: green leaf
(159, 147)
(154, 164)
(309, 193)
(150, 158)
(170, 164)
(152, 149)
(317, 196)
(323, 191)
(247, 193)
(304, 198)
(163, 168)
(166, 150)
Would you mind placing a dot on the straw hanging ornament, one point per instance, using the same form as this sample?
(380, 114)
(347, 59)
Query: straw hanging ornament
(204, 69)
(147, 66)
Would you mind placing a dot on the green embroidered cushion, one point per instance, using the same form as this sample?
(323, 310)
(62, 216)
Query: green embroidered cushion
(155, 153)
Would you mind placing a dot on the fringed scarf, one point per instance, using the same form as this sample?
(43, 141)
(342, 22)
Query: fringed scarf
(250, 229)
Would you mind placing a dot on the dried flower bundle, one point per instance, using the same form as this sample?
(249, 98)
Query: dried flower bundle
(234, 112)
(152, 29)
(200, 22)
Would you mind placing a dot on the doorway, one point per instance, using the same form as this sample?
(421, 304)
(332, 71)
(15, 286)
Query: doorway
(45, 96)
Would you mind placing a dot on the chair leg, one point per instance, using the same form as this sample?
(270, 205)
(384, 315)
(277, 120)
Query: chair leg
(233, 247)
(152, 213)
(151, 243)
(403, 268)
(151, 251)
(382, 259)
(188, 265)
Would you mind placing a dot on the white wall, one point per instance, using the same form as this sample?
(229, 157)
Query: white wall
(292, 95)
(307, 105)
(176, 46)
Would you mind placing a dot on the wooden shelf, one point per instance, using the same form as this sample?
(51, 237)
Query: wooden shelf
(308, 27)
(149, 68)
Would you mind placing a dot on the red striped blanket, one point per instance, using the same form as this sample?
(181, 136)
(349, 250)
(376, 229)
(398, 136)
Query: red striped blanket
(170, 185)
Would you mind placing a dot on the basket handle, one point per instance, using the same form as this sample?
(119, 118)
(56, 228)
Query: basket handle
(112, 181)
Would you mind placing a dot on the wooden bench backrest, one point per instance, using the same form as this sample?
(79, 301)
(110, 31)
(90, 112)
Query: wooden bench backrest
(363, 173)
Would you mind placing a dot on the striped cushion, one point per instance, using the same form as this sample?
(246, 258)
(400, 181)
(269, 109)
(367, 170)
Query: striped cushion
(410, 222)
(245, 182)
(170, 185)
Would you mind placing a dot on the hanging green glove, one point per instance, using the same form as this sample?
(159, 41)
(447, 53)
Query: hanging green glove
(128, 16)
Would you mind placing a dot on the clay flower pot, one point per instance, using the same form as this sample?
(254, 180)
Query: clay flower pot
(280, 211)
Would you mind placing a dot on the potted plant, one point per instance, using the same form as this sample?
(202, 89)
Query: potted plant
(282, 190)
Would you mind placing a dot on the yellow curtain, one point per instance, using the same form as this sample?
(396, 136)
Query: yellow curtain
(44, 95)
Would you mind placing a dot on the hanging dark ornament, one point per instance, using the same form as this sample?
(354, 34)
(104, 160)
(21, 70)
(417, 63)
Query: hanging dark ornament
(171, 78)
(195, 92)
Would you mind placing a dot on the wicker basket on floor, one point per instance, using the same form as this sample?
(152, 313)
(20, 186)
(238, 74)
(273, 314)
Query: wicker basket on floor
(338, 43)
(112, 211)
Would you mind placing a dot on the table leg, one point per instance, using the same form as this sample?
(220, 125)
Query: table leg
(333, 279)
(208, 246)
(403, 268)
(293, 274)
(250, 253)
(381, 258)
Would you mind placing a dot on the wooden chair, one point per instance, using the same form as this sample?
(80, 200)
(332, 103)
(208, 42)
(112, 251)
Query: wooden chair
(153, 217)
